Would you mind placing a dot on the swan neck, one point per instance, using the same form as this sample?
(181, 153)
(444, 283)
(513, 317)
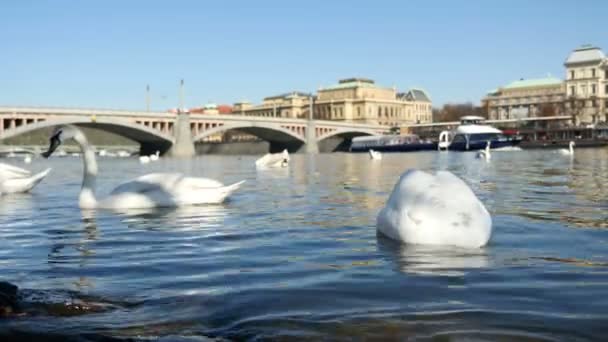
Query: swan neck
(87, 192)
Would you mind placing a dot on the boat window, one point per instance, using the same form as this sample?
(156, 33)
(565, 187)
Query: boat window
(484, 136)
(459, 138)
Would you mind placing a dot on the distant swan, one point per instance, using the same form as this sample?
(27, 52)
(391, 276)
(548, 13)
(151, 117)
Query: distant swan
(27, 159)
(437, 209)
(17, 180)
(144, 159)
(154, 157)
(273, 160)
(569, 151)
(149, 191)
(375, 155)
(486, 153)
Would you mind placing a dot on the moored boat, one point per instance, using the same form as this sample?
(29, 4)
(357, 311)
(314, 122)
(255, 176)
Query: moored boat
(391, 143)
(473, 134)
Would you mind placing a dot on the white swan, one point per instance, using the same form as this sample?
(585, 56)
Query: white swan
(17, 180)
(435, 209)
(27, 159)
(273, 160)
(486, 153)
(149, 191)
(569, 151)
(144, 159)
(154, 157)
(375, 155)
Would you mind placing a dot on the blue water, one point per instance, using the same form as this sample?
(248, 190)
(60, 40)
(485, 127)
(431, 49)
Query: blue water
(294, 254)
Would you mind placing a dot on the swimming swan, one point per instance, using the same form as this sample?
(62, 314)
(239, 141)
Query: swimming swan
(375, 155)
(569, 151)
(437, 209)
(154, 157)
(486, 153)
(17, 180)
(272, 160)
(149, 191)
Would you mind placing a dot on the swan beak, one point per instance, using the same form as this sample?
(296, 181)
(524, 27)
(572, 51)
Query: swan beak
(54, 143)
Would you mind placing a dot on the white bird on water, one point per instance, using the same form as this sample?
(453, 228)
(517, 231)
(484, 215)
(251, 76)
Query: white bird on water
(273, 160)
(154, 157)
(375, 155)
(437, 209)
(486, 153)
(17, 180)
(148, 191)
(569, 151)
(27, 159)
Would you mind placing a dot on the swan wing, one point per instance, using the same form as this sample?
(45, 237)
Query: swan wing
(148, 183)
(22, 184)
(8, 171)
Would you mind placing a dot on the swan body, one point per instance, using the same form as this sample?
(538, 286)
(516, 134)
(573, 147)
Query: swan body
(485, 154)
(154, 157)
(144, 159)
(569, 151)
(375, 155)
(437, 209)
(273, 160)
(149, 191)
(17, 180)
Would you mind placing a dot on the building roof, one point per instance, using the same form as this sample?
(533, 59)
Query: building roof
(415, 94)
(352, 83)
(290, 94)
(534, 82)
(585, 54)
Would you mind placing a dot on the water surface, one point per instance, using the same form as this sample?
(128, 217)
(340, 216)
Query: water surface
(294, 254)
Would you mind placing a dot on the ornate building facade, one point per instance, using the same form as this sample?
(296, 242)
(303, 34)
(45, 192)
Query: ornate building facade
(354, 100)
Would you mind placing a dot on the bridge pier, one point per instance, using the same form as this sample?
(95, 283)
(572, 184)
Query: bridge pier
(184, 146)
(311, 138)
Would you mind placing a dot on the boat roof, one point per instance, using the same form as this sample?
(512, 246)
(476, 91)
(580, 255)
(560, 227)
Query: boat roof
(476, 129)
(376, 137)
(472, 117)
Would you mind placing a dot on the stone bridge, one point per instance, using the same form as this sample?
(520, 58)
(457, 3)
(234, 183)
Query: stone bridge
(177, 133)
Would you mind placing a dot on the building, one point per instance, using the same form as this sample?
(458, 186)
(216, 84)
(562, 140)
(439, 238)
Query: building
(584, 93)
(357, 100)
(587, 85)
(526, 98)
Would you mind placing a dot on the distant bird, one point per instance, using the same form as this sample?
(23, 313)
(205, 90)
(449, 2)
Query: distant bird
(375, 155)
(27, 159)
(144, 159)
(486, 153)
(273, 160)
(569, 151)
(154, 157)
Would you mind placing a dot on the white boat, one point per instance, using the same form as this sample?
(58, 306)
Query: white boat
(474, 134)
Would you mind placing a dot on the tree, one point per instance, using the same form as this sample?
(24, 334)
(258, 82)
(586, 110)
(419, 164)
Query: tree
(454, 111)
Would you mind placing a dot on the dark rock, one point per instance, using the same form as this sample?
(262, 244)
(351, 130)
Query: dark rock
(8, 298)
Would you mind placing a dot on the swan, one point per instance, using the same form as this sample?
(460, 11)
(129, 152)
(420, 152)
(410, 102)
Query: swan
(434, 209)
(486, 153)
(272, 160)
(375, 155)
(17, 180)
(144, 159)
(27, 159)
(569, 151)
(148, 191)
(154, 157)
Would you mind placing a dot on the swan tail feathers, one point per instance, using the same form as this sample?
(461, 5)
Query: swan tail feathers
(232, 187)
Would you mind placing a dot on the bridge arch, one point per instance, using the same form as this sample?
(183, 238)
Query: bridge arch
(272, 133)
(347, 133)
(148, 138)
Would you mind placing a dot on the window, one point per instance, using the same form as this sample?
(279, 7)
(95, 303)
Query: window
(571, 74)
(572, 90)
(606, 74)
(606, 89)
(593, 88)
(593, 72)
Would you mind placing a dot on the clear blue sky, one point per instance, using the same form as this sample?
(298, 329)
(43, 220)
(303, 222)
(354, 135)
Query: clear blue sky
(101, 54)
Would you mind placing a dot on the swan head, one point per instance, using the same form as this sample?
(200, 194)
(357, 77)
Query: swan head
(60, 135)
(572, 144)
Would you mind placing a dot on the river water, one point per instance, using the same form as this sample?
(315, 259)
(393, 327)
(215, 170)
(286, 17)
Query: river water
(294, 254)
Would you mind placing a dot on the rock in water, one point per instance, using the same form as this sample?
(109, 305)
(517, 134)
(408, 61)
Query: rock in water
(8, 298)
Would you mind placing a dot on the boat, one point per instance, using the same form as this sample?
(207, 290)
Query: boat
(473, 134)
(392, 143)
